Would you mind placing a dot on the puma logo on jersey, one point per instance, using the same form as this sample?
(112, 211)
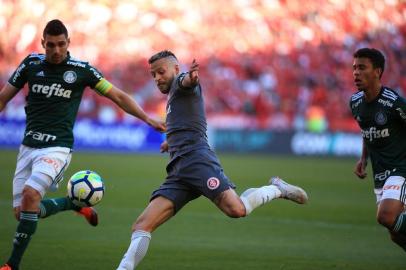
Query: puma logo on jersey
(373, 133)
(40, 136)
(54, 89)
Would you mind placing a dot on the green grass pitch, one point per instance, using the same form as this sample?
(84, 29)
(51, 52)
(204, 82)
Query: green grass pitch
(336, 230)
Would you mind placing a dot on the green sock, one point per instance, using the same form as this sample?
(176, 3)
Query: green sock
(50, 207)
(25, 229)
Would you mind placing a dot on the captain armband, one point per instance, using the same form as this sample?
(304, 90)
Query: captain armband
(103, 86)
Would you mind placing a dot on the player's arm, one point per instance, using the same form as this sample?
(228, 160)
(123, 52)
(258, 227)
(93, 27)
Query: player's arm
(191, 79)
(129, 105)
(360, 167)
(400, 108)
(6, 94)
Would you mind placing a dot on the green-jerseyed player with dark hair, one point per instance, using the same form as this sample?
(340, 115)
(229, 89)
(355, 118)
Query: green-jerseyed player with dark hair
(381, 115)
(56, 82)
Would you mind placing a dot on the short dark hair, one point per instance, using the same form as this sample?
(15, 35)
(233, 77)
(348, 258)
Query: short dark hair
(55, 28)
(376, 57)
(160, 55)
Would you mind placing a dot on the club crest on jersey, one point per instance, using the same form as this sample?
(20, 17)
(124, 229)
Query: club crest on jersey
(213, 183)
(69, 76)
(380, 118)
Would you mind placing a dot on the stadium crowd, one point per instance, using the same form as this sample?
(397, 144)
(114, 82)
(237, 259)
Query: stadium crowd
(278, 64)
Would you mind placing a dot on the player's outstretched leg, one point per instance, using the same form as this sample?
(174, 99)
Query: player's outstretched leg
(49, 207)
(289, 192)
(255, 197)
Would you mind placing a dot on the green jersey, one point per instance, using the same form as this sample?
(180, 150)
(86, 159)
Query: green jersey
(54, 95)
(383, 128)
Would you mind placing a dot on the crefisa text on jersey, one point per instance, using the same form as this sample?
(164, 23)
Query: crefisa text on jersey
(385, 102)
(373, 133)
(54, 89)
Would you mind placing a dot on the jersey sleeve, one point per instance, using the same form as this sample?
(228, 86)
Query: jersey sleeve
(400, 108)
(19, 76)
(97, 82)
(351, 107)
(179, 85)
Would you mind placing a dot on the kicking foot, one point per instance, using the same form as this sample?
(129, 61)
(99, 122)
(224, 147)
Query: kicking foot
(289, 192)
(90, 214)
(6, 267)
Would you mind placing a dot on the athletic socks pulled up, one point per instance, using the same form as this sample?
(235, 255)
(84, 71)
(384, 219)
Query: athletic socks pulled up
(25, 229)
(136, 251)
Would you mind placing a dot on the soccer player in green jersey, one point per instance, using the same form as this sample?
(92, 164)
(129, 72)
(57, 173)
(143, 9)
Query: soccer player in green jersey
(381, 115)
(56, 82)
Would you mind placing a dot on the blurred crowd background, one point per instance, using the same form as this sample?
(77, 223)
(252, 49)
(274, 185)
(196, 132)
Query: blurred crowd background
(265, 64)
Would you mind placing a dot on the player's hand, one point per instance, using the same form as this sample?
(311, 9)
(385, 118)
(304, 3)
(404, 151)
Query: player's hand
(360, 168)
(194, 72)
(157, 125)
(164, 147)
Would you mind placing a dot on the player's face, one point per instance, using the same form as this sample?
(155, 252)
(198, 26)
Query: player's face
(56, 48)
(365, 75)
(164, 71)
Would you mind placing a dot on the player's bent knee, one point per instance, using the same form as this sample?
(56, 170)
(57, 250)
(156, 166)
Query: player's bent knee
(236, 211)
(386, 219)
(31, 198)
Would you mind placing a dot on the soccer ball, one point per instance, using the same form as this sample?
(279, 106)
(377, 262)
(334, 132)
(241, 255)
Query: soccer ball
(85, 188)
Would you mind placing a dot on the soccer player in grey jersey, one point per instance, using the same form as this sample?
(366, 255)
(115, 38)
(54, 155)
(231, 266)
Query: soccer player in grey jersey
(193, 169)
(56, 82)
(381, 115)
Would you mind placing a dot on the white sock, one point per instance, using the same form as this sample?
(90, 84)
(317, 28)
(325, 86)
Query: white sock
(136, 251)
(254, 197)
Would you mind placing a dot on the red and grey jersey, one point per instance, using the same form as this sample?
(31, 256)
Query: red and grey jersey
(383, 128)
(55, 92)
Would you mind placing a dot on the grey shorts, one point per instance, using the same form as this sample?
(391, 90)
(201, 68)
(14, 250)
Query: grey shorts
(193, 174)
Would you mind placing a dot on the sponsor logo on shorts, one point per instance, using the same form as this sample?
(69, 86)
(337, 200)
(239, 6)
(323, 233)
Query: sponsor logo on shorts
(394, 187)
(51, 162)
(213, 183)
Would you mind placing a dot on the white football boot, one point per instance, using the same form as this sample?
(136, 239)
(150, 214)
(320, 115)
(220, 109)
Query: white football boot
(289, 192)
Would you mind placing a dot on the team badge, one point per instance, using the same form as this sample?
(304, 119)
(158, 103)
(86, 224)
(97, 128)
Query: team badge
(213, 183)
(69, 76)
(380, 118)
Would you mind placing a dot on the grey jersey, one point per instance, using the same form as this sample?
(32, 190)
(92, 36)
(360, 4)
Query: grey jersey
(185, 118)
